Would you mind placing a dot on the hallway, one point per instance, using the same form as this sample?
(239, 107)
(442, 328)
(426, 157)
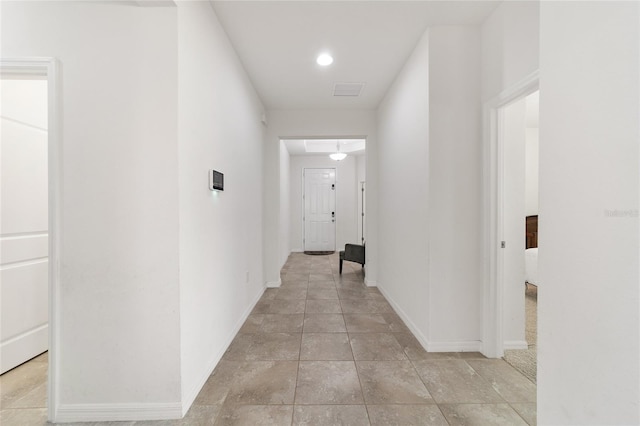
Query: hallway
(300, 343)
(323, 349)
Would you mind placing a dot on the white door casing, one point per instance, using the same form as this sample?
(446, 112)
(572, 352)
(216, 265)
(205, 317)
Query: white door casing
(319, 209)
(24, 239)
(49, 68)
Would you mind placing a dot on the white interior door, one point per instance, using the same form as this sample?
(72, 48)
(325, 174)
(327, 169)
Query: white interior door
(513, 225)
(319, 210)
(23, 221)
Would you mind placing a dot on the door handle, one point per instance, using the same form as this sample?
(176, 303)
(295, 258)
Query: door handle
(333, 214)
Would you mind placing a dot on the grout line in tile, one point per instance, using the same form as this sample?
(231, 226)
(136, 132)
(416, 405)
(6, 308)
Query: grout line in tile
(518, 413)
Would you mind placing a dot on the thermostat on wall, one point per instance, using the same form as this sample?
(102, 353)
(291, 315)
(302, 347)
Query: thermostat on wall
(216, 181)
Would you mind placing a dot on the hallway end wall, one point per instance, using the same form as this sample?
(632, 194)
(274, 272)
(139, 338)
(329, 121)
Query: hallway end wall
(284, 124)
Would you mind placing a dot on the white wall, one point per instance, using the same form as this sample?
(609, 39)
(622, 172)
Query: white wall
(313, 123)
(532, 149)
(137, 215)
(429, 130)
(119, 300)
(361, 166)
(510, 46)
(346, 198)
(403, 177)
(454, 189)
(220, 232)
(285, 202)
(588, 323)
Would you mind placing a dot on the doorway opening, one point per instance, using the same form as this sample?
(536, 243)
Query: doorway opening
(519, 135)
(504, 228)
(29, 231)
(303, 161)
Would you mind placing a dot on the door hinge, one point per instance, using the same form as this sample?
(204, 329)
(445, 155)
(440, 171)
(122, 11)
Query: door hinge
(503, 244)
(362, 214)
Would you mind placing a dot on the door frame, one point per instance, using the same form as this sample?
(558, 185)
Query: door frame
(362, 210)
(304, 212)
(49, 68)
(493, 213)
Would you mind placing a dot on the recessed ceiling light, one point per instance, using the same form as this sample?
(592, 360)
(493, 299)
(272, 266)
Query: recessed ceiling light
(324, 59)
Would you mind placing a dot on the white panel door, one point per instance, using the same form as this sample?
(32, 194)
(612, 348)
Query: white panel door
(319, 210)
(23, 221)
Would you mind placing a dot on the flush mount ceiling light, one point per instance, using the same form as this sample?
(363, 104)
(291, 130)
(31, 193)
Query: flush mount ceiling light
(324, 59)
(337, 156)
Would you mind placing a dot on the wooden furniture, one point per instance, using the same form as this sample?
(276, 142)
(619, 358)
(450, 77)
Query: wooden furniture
(531, 250)
(352, 253)
(531, 224)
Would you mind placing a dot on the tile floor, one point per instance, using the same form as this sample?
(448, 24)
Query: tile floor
(323, 349)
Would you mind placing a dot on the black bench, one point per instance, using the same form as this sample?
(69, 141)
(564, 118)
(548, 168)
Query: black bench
(352, 253)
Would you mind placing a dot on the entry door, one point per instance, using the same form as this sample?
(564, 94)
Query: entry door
(319, 210)
(23, 221)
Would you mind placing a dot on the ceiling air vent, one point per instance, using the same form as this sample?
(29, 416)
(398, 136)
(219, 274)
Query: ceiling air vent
(347, 89)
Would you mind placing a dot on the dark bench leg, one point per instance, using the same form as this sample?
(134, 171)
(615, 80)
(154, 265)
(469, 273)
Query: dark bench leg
(341, 260)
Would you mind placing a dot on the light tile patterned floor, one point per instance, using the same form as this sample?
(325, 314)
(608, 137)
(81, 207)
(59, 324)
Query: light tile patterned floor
(324, 349)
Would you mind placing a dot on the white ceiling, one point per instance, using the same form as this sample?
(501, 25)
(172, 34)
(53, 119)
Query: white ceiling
(278, 42)
(324, 146)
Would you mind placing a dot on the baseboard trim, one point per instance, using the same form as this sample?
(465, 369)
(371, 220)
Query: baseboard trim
(455, 346)
(33, 342)
(452, 346)
(274, 284)
(515, 344)
(370, 283)
(189, 398)
(403, 316)
(67, 413)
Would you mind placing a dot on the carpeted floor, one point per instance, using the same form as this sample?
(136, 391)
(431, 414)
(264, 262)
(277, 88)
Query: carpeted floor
(525, 360)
